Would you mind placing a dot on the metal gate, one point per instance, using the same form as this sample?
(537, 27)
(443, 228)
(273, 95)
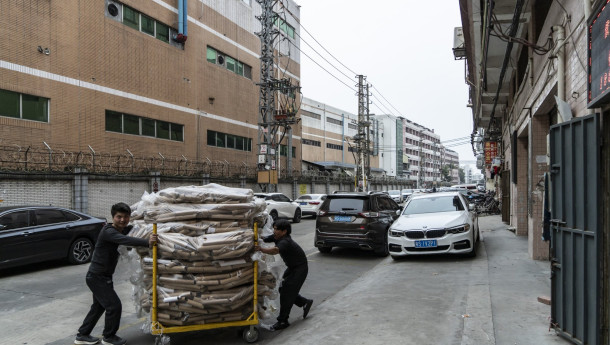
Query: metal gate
(575, 229)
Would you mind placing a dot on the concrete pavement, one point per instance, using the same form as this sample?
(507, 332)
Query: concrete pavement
(495, 304)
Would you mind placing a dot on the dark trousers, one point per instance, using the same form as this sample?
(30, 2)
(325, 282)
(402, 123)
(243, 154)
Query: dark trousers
(289, 291)
(104, 299)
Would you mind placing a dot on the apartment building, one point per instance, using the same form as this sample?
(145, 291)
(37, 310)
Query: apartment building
(327, 138)
(451, 160)
(160, 77)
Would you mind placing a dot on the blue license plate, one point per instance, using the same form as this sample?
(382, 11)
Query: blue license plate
(343, 219)
(425, 244)
(303, 203)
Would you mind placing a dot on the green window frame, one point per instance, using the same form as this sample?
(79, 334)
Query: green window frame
(230, 141)
(211, 138)
(148, 127)
(162, 129)
(114, 121)
(131, 17)
(230, 62)
(240, 68)
(131, 124)
(176, 132)
(10, 103)
(162, 32)
(211, 55)
(23, 106)
(290, 31)
(239, 143)
(148, 24)
(220, 139)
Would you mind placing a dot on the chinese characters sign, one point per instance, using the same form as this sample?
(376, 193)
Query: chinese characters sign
(491, 151)
(599, 57)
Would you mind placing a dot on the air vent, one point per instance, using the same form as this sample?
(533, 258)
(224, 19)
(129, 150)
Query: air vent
(114, 10)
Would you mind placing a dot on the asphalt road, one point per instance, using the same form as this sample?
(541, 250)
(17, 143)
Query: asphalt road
(46, 303)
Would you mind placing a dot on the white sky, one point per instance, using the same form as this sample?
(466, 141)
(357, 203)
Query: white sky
(404, 50)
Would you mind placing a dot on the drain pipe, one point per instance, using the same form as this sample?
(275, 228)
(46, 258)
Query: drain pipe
(559, 33)
(182, 21)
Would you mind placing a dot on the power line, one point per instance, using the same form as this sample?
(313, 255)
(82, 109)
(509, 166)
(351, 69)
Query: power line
(387, 100)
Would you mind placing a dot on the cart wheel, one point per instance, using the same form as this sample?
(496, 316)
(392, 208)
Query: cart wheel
(162, 340)
(250, 334)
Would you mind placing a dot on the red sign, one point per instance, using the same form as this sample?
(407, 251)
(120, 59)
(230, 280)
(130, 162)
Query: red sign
(491, 151)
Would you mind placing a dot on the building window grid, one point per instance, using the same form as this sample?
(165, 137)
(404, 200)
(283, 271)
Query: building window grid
(136, 125)
(310, 114)
(144, 23)
(230, 63)
(334, 146)
(311, 142)
(334, 121)
(23, 106)
(229, 141)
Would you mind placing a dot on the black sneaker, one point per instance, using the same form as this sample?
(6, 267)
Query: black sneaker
(114, 340)
(280, 325)
(86, 339)
(306, 307)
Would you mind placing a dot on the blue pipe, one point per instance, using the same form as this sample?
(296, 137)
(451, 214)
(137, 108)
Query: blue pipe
(185, 17)
(180, 17)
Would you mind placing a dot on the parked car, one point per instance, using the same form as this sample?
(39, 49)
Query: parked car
(395, 195)
(30, 234)
(280, 206)
(355, 220)
(406, 193)
(310, 203)
(434, 224)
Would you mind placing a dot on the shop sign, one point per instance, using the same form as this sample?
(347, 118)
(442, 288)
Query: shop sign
(491, 151)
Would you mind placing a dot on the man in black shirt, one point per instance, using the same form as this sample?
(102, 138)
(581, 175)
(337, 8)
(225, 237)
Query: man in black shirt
(99, 277)
(295, 273)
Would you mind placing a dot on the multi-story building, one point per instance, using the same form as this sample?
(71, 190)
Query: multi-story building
(423, 147)
(112, 76)
(327, 138)
(451, 160)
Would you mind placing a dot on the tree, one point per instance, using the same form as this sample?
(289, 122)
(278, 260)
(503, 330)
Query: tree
(462, 175)
(446, 174)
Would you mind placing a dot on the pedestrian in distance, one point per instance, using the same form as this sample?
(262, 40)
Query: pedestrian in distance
(295, 274)
(99, 277)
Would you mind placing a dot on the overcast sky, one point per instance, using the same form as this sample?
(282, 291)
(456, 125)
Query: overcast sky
(404, 50)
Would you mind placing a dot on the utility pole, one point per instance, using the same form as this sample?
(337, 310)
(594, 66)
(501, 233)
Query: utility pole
(277, 103)
(422, 161)
(361, 139)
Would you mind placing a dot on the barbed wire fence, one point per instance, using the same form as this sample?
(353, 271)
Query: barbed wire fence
(15, 158)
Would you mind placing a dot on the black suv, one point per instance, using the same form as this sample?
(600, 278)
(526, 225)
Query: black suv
(355, 220)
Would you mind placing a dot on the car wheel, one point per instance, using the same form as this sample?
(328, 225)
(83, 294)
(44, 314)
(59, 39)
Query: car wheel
(273, 215)
(81, 251)
(384, 251)
(325, 250)
(297, 216)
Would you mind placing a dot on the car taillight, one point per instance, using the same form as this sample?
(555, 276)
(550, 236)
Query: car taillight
(314, 203)
(369, 214)
(322, 213)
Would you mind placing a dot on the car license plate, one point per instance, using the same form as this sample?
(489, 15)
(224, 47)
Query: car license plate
(425, 244)
(303, 203)
(343, 219)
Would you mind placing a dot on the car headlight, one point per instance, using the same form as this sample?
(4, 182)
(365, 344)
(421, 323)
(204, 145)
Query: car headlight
(459, 229)
(396, 233)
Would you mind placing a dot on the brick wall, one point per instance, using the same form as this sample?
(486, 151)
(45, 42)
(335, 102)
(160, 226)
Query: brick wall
(537, 248)
(520, 202)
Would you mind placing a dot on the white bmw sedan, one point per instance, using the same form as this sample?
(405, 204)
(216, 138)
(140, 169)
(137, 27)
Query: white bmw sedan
(434, 223)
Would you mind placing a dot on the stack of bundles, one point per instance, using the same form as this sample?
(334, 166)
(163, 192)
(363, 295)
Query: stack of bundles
(205, 272)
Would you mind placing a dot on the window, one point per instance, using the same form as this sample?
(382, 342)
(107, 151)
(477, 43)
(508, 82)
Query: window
(230, 63)
(148, 127)
(131, 18)
(162, 32)
(44, 217)
(23, 106)
(334, 146)
(136, 125)
(162, 129)
(230, 141)
(352, 126)
(131, 124)
(334, 121)
(285, 27)
(148, 25)
(310, 142)
(284, 151)
(310, 114)
(14, 220)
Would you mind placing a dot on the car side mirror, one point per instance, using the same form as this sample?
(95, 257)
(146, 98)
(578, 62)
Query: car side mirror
(399, 211)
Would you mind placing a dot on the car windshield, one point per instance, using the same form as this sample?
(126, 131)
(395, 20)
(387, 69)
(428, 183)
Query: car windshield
(346, 205)
(304, 197)
(434, 204)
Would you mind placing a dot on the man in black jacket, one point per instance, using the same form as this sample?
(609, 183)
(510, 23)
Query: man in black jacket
(99, 277)
(295, 273)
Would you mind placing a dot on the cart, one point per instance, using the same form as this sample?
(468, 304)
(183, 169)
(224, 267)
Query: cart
(250, 330)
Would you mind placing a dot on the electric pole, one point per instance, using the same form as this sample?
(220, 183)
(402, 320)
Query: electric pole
(361, 139)
(277, 102)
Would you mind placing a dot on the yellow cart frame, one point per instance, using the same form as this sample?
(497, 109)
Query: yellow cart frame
(158, 329)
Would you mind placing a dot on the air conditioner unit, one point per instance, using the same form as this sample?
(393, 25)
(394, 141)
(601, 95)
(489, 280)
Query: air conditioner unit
(114, 10)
